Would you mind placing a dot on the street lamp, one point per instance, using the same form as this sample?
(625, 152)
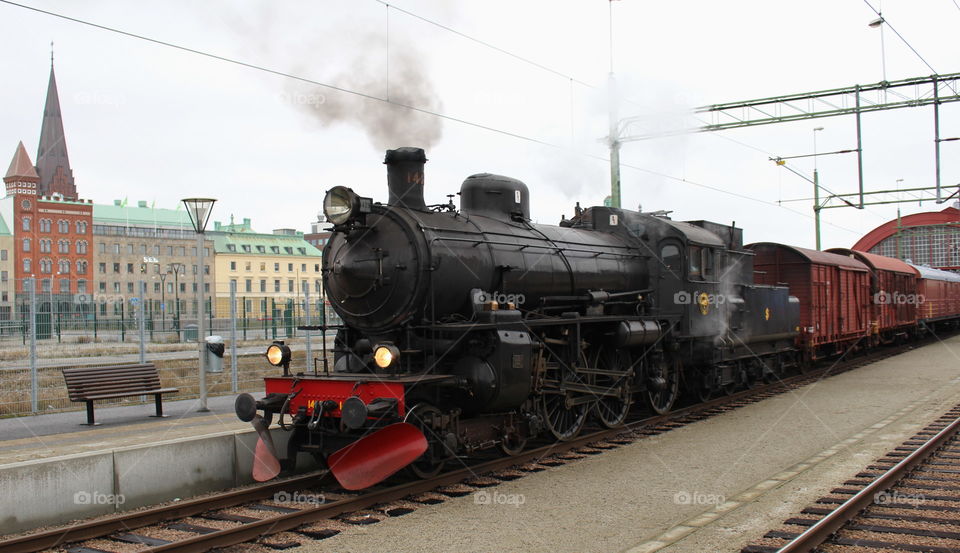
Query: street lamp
(199, 211)
(163, 298)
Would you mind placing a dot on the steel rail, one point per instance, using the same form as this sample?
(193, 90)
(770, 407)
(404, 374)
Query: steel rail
(820, 532)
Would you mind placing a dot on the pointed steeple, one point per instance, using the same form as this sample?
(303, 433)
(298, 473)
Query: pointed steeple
(53, 165)
(21, 178)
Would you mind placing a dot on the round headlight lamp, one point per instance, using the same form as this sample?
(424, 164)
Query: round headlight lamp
(385, 355)
(278, 354)
(340, 204)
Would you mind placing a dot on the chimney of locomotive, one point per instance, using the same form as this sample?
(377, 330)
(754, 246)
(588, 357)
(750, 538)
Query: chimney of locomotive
(405, 177)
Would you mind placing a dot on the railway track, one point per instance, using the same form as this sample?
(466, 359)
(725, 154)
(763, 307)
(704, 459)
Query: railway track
(908, 500)
(254, 514)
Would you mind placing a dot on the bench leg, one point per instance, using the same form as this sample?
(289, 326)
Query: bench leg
(159, 401)
(90, 420)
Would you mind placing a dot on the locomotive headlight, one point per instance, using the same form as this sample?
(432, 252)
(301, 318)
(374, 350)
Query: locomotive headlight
(278, 354)
(340, 204)
(385, 355)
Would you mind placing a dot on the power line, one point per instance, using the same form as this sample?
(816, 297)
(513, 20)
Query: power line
(955, 4)
(367, 96)
(887, 23)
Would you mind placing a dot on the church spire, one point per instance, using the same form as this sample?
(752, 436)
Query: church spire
(53, 165)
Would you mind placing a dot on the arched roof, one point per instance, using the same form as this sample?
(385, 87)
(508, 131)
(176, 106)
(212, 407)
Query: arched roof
(888, 229)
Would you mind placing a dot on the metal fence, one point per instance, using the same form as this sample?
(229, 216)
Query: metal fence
(46, 332)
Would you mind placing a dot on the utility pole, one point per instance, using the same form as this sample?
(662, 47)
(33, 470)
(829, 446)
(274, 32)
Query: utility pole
(614, 136)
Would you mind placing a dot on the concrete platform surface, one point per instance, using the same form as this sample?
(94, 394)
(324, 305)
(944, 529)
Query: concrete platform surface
(714, 485)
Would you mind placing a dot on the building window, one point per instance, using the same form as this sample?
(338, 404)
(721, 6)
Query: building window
(193, 251)
(194, 269)
(44, 245)
(316, 267)
(261, 249)
(276, 285)
(129, 249)
(81, 286)
(64, 266)
(290, 285)
(26, 223)
(303, 251)
(156, 251)
(233, 265)
(263, 285)
(81, 246)
(303, 267)
(170, 250)
(26, 244)
(63, 246)
(289, 267)
(4, 276)
(63, 226)
(26, 265)
(275, 249)
(206, 252)
(263, 267)
(206, 287)
(103, 248)
(3, 255)
(248, 285)
(231, 247)
(81, 227)
(103, 286)
(45, 285)
(318, 285)
(103, 268)
(129, 268)
(129, 287)
(276, 267)
(183, 286)
(116, 249)
(46, 266)
(288, 249)
(45, 225)
(233, 284)
(116, 268)
(81, 267)
(206, 269)
(246, 248)
(169, 287)
(181, 251)
(64, 285)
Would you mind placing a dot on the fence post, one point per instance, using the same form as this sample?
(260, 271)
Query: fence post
(59, 340)
(123, 326)
(34, 383)
(233, 335)
(244, 300)
(141, 322)
(307, 333)
(95, 306)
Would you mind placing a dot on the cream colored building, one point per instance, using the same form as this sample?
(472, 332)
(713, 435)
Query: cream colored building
(271, 273)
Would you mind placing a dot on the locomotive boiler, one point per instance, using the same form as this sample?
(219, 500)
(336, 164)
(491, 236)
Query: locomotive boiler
(471, 328)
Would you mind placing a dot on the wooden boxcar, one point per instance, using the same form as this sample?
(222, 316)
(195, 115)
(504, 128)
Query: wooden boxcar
(938, 296)
(893, 293)
(833, 290)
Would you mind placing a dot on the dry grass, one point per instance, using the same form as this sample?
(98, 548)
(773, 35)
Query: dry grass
(175, 373)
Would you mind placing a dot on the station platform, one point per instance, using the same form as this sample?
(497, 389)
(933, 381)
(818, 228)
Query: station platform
(56, 470)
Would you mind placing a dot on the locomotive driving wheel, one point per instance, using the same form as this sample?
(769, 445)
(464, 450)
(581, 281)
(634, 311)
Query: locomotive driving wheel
(426, 417)
(663, 385)
(563, 415)
(612, 410)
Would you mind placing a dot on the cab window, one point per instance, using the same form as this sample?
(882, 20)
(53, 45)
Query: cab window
(706, 264)
(695, 269)
(670, 254)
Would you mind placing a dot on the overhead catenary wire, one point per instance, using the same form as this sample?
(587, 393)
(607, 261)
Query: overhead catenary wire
(372, 97)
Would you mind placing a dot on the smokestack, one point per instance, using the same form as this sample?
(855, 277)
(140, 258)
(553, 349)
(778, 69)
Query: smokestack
(405, 177)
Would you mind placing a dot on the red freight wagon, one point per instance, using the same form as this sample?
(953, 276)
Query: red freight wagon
(893, 291)
(834, 294)
(939, 294)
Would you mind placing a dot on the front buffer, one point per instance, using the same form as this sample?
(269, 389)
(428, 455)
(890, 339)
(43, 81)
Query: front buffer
(360, 426)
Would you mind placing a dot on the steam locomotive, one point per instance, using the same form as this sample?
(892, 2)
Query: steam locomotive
(475, 328)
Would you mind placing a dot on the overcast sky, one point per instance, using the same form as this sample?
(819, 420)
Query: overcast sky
(149, 122)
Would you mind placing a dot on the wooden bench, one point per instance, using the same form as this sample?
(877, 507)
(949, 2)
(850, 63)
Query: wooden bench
(90, 384)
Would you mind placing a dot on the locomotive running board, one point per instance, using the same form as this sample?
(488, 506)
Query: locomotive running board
(375, 457)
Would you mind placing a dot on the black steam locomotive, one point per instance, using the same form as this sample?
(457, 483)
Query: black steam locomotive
(475, 328)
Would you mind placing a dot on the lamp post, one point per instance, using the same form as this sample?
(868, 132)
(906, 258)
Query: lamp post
(816, 186)
(175, 269)
(199, 211)
(163, 298)
(878, 23)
